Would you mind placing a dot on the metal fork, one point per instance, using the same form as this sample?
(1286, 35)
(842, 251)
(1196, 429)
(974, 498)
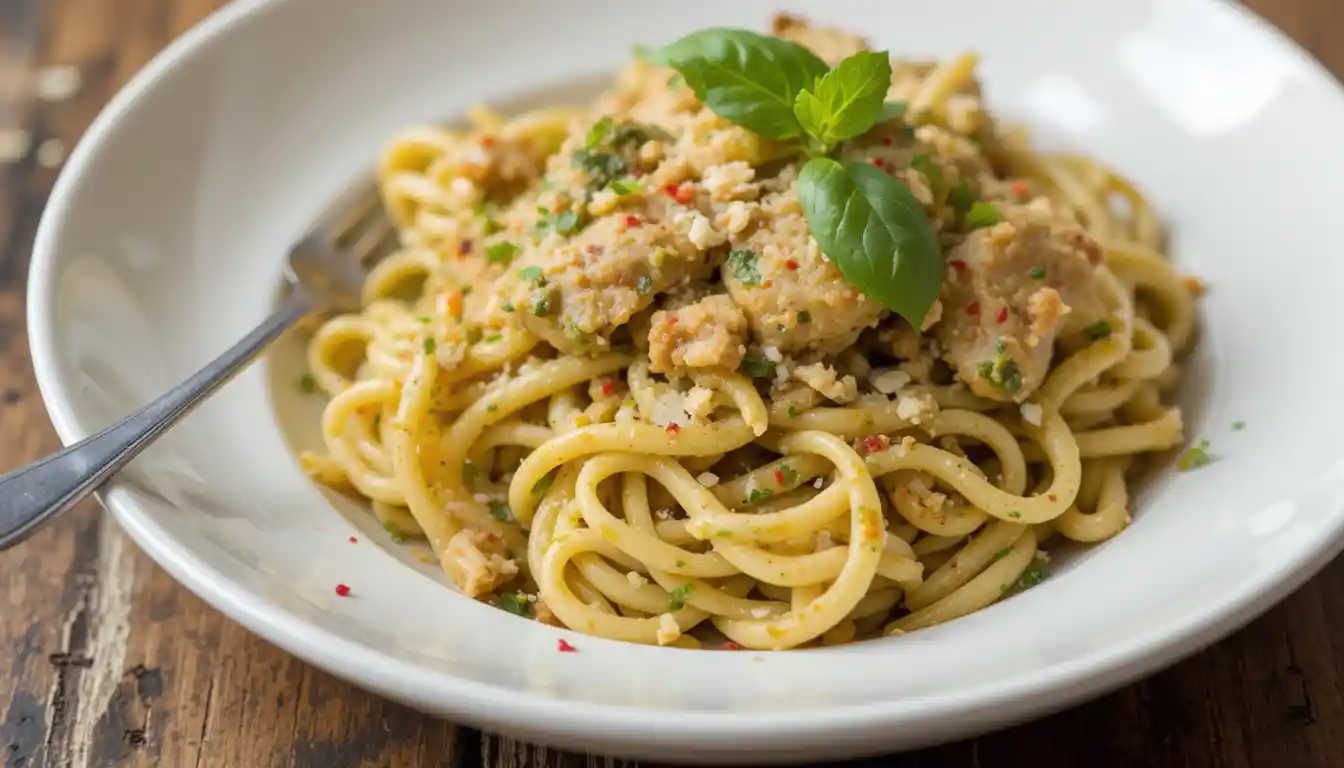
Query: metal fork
(324, 272)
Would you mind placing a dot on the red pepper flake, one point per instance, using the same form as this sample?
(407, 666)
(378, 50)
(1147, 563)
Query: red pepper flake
(973, 309)
(1020, 190)
(673, 429)
(767, 283)
(1003, 314)
(957, 266)
(672, 319)
(874, 443)
(779, 477)
(631, 221)
(952, 563)
(730, 646)
(1052, 497)
(877, 162)
(563, 646)
(342, 590)
(353, 540)
(671, 190)
(886, 140)
(487, 142)
(792, 264)
(608, 389)
(463, 248)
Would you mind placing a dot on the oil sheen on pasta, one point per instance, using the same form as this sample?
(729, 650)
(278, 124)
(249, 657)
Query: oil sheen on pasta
(618, 388)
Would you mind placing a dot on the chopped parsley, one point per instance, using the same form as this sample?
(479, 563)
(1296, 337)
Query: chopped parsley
(598, 133)
(501, 512)
(1037, 273)
(792, 411)
(1015, 515)
(516, 603)
(758, 494)
(982, 214)
(744, 267)
(1002, 372)
(1033, 575)
(804, 316)
(473, 333)
(430, 345)
(644, 285)
(1002, 553)
(1195, 457)
(492, 226)
(491, 338)
(423, 318)
(624, 188)
(757, 367)
(307, 384)
(566, 223)
(602, 168)
(491, 408)
(925, 165)
(1238, 425)
(543, 484)
(789, 474)
(961, 198)
(541, 304)
(501, 253)
(677, 598)
(508, 307)
(532, 275)
(1098, 330)
(393, 531)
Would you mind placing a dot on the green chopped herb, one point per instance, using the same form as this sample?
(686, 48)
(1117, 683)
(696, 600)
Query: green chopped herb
(1196, 457)
(804, 316)
(469, 473)
(675, 80)
(758, 494)
(1099, 330)
(430, 345)
(982, 214)
(307, 384)
(564, 223)
(491, 408)
(1037, 273)
(543, 484)
(473, 333)
(789, 473)
(377, 421)
(629, 134)
(757, 367)
(602, 168)
(925, 165)
(541, 304)
(424, 318)
(624, 188)
(744, 267)
(1033, 575)
(491, 338)
(961, 198)
(516, 603)
(1238, 425)
(644, 285)
(1015, 515)
(501, 512)
(508, 307)
(492, 226)
(532, 275)
(1002, 372)
(1002, 553)
(679, 596)
(501, 253)
(393, 531)
(792, 411)
(598, 133)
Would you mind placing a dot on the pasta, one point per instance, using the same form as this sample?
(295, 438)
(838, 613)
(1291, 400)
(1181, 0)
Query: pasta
(614, 384)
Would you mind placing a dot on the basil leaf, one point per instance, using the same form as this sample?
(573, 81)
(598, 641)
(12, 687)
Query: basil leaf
(748, 79)
(876, 232)
(847, 101)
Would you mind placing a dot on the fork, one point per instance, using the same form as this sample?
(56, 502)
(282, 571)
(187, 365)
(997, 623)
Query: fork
(324, 272)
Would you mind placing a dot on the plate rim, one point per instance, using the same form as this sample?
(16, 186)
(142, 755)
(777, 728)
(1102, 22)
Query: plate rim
(558, 720)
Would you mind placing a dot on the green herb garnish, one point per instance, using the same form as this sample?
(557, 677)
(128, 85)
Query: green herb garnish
(804, 316)
(758, 494)
(541, 305)
(846, 101)
(1002, 371)
(516, 603)
(793, 411)
(393, 531)
(532, 275)
(743, 265)
(602, 168)
(624, 188)
(961, 198)
(1037, 273)
(1033, 575)
(543, 484)
(982, 214)
(307, 384)
(1238, 425)
(501, 512)
(644, 285)
(1195, 457)
(1098, 330)
(1002, 553)
(508, 307)
(789, 473)
(677, 597)
(430, 345)
(501, 253)
(598, 133)
(491, 338)
(757, 367)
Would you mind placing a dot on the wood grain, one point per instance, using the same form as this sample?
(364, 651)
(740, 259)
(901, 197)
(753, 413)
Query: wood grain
(113, 664)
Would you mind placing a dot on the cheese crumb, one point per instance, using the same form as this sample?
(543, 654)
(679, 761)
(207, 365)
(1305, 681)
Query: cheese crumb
(707, 479)
(1032, 413)
(703, 234)
(889, 381)
(668, 629)
(699, 403)
(636, 579)
(825, 380)
(760, 613)
(916, 408)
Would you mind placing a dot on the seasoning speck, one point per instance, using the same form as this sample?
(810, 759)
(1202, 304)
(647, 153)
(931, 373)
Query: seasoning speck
(563, 646)
(342, 590)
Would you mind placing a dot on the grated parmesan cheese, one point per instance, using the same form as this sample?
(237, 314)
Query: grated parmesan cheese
(1032, 413)
(668, 629)
(707, 479)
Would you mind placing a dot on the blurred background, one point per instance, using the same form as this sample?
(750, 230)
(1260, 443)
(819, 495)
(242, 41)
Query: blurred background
(112, 664)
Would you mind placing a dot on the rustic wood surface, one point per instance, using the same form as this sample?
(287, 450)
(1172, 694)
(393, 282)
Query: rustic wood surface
(114, 664)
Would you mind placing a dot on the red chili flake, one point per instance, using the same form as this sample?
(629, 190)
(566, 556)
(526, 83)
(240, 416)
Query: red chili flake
(1052, 497)
(673, 429)
(671, 319)
(886, 140)
(463, 248)
(563, 646)
(685, 195)
(631, 221)
(353, 540)
(876, 162)
(973, 309)
(952, 563)
(487, 142)
(957, 266)
(671, 190)
(779, 477)
(873, 443)
(1020, 190)
(792, 264)
(767, 283)
(1003, 314)
(342, 590)
(730, 646)
(608, 389)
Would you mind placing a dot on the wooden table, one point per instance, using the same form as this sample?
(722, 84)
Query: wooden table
(112, 663)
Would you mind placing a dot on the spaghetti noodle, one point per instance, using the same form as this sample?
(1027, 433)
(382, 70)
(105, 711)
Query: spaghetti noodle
(615, 386)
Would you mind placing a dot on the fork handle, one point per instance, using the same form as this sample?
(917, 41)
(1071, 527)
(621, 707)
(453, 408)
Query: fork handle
(40, 491)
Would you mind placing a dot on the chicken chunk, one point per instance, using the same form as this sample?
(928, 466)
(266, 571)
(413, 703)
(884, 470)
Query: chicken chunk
(1011, 290)
(478, 562)
(708, 333)
(793, 297)
(831, 45)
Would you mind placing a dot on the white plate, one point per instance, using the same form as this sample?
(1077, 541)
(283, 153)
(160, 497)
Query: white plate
(163, 239)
